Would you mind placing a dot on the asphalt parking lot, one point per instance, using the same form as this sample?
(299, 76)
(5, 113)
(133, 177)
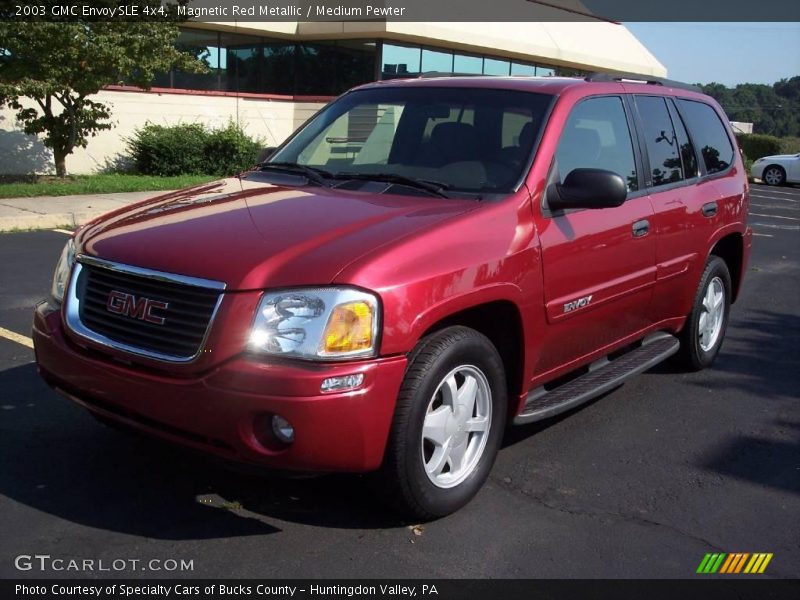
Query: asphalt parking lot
(640, 483)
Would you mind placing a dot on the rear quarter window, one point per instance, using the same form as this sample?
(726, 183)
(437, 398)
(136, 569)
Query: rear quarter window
(708, 134)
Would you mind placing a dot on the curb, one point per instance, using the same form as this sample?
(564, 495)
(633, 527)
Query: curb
(47, 221)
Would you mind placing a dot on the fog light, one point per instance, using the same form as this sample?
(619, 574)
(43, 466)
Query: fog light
(343, 383)
(282, 429)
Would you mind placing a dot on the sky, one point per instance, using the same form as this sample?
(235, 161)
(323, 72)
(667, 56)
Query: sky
(727, 53)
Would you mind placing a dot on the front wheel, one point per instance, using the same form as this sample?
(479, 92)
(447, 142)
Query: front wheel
(774, 175)
(702, 335)
(448, 423)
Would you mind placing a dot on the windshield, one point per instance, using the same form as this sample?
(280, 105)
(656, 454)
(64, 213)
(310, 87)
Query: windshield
(471, 140)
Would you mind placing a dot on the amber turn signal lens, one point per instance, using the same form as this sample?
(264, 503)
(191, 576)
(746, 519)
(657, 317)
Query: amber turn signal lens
(349, 329)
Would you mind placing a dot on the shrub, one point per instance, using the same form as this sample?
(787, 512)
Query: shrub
(229, 150)
(790, 145)
(168, 151)
(756, 145)
(192, 149)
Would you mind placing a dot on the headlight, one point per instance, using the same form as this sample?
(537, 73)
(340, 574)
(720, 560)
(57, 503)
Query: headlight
(63, 269)
(321, 323)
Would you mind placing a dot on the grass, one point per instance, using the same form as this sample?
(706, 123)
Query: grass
(45, 185)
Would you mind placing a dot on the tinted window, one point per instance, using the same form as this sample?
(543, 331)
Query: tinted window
(709, 134)
(451, 135)
(688, 156)
(660, 139)
(597, 136)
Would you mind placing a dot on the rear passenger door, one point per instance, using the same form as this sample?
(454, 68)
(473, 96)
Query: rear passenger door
(598, 264)
(686, 170)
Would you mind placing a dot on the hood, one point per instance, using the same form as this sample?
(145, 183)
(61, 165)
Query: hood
(253, 235)
(777, 157)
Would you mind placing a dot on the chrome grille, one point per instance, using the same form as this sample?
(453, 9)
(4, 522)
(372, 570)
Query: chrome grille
(145, 312)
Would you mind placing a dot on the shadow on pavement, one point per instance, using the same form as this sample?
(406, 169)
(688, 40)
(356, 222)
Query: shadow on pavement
(58, 460)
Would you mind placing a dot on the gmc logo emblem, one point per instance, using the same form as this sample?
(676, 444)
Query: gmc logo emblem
(140, 308)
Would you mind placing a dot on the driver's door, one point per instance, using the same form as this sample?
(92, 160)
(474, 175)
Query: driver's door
(598, 264)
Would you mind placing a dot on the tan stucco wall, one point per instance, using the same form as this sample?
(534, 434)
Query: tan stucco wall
(272, 121)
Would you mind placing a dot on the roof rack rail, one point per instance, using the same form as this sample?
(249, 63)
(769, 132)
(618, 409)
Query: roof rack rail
(430, 74)
(639, 78)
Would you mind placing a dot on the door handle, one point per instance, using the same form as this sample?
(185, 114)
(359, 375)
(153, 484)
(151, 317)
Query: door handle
(641, 228)
(709, 209)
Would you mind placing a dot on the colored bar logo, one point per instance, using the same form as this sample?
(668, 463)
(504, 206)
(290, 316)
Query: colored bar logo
(735, 563)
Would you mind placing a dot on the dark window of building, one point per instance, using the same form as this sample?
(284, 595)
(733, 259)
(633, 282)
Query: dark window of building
(709, 134)
(688, 155)
(244, 63)
(356, 63)
(279, 69)
(662, 144)
(400, 61)
(467, 65)
(597, 136)
(316, 66)
(203, 45)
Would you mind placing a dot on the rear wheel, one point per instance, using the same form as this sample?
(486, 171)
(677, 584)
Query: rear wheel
(702, 335)
(448, 423)
(774, 175)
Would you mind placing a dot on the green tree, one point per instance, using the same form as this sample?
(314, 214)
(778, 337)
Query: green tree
(60, 66)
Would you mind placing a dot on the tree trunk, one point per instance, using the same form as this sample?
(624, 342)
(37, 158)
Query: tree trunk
(61, 163)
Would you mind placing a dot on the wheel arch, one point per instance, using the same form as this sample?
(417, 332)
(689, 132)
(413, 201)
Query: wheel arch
(501, 322)
(730, 248)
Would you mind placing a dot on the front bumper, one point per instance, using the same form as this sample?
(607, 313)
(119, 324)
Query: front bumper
(226, 410)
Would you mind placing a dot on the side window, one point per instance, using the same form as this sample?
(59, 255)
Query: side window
(709, 134)
(660, 139)
(688, 155)
(596, 135)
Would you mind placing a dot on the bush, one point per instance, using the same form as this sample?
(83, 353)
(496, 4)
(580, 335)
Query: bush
(756, 145)
(229, 150)
(169, 151)
(790, 145)
(192, 149)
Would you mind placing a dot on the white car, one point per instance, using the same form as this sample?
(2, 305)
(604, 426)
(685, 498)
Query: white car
(778, 169)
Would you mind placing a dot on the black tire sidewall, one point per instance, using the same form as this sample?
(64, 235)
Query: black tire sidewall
(695, 355)
(472, 348)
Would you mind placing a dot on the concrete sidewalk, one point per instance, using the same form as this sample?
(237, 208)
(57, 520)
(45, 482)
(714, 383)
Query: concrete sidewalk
(48, 212)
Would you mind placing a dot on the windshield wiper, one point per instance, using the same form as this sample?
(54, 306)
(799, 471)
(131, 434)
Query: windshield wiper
(433, 187)
(313, 174)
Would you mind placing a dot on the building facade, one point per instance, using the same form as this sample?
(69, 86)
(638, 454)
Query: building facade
(271, 77)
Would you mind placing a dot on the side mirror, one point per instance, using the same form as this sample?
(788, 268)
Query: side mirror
(588, 188)
(266, 153)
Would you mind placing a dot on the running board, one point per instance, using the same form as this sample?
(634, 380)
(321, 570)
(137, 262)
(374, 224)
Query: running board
(603, 375)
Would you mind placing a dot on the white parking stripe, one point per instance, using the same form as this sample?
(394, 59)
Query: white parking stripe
(15, 337)
(763, 235)
(774, 216)
(764, 188)
(771, 197)
(774, 226)
(775, 206)
(64, 231)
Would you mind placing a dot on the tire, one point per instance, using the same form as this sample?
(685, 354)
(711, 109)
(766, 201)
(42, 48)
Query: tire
(774, 175)
(457, 445)
(704, 331)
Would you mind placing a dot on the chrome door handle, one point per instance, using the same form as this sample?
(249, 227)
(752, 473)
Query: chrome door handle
(641, 228)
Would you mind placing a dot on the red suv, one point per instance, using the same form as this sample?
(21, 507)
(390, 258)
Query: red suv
(423, 262)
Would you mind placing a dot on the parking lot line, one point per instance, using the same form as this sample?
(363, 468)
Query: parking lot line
(65, 231)
(763, 235)
(775, 216)
(15, 337)
(775, 206)
(771, 191)
(768, 197)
